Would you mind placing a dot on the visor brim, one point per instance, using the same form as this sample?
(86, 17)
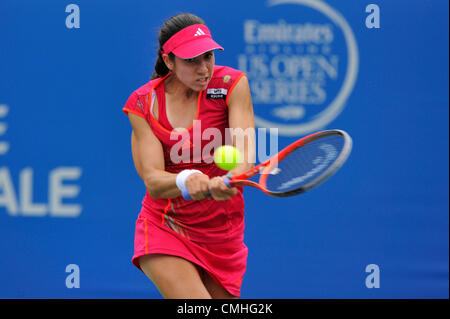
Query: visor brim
(195, 48)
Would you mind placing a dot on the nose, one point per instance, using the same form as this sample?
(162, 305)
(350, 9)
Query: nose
(203, 67)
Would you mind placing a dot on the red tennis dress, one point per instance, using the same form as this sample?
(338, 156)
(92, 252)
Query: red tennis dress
(208, 233)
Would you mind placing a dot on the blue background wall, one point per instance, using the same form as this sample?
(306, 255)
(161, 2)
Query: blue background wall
(61, 94)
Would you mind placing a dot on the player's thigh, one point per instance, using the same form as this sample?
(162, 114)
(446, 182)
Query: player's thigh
(174, 277)
(215, 290)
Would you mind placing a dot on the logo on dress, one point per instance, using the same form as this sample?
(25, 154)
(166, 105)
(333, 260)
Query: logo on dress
(140, 105)
(216, 93)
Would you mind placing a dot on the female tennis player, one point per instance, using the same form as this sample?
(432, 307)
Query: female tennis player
(189, 249)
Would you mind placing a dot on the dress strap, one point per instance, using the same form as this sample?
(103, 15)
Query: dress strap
(162, 114)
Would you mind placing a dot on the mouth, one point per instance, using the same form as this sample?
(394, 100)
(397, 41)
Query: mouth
(202, 81)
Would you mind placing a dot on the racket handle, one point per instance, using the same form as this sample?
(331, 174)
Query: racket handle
(226, 180)
(185, 194)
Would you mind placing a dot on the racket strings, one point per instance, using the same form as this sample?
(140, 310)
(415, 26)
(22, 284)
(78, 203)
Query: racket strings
(305, 164)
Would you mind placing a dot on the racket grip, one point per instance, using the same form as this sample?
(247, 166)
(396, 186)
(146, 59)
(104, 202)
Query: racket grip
(226, 180)
(185, 194)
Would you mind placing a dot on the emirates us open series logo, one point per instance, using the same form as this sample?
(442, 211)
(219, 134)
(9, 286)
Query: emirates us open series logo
(301, 58)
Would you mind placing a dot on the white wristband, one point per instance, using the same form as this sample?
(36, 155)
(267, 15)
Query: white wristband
(182, 177)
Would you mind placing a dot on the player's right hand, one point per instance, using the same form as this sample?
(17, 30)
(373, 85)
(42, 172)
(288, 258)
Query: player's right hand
(219, 191)
(197, 185)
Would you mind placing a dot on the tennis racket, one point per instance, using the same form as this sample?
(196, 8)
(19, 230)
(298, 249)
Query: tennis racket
(299, 167)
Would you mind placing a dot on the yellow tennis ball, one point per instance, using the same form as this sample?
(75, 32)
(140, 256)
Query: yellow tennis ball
(227, 157)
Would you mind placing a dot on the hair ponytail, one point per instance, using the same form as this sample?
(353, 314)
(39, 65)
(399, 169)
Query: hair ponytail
(168, 29)
(161, 68)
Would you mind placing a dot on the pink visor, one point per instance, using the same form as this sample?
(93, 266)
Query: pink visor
(191, 42)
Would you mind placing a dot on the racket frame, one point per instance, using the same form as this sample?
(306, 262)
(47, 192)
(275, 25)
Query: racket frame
(266, 167)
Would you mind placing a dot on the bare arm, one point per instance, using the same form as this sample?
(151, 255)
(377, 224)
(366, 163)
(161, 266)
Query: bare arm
(241, 120)
(148, 159)
(242, 126)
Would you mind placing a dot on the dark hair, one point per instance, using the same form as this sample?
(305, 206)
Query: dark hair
(168, 29)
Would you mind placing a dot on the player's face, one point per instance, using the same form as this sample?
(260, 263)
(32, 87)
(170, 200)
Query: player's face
(195, 73)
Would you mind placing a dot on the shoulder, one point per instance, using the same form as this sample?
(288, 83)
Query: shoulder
(225, 78)
(226, 73)
(138, 101)
(146, 88)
